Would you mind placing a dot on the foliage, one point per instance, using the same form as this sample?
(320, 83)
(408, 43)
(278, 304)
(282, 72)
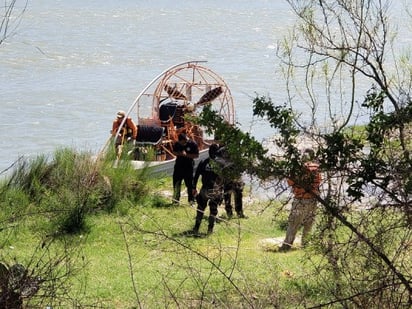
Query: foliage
(63, 180)
(366, 172)
(43, 278)
(54, 198)
(359, 255)
(366, 214)
(68, 187)
(241, 147)
(142, 257)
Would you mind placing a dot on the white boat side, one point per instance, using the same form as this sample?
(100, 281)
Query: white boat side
(165, 167)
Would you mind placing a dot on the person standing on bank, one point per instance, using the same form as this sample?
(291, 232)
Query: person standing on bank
(305, 189)
(233, 185)
(185, 150)
(127, 133)
(211, 191)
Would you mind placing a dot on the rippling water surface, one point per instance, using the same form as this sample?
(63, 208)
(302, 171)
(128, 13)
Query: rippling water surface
(70, 65)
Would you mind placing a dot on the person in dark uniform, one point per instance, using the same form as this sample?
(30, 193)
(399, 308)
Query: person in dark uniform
(186, 151)
(211, 191)
(233, 185)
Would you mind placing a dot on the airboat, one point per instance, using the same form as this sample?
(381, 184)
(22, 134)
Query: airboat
(165, 108)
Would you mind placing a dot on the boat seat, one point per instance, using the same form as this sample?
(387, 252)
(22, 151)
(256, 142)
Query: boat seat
(167, 111)
(149, 135)
(179, 117)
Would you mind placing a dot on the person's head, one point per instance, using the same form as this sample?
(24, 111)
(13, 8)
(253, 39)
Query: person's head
(190, 107)
(213, 149)
(218, 139)
(182, 138)
(308, 155)
(120, 115)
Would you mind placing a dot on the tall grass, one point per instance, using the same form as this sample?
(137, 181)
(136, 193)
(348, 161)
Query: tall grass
(67, 187)
(51, 198)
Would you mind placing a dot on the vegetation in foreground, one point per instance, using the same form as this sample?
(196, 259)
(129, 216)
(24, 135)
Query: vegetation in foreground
(85, 234)
(360, 255)
(79, 233)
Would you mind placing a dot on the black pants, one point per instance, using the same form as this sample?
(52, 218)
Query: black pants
(235, 187)
(205, 196)
(186, 175)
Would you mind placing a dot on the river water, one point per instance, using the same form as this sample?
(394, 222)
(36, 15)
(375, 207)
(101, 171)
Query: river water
(70, 65)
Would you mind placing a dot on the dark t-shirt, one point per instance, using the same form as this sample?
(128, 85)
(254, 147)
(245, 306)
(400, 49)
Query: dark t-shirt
(208, 173)
(190, 148)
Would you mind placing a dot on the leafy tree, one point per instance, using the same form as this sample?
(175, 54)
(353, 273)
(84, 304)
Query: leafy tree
(360, 128)
(241, 147)
(362, 145)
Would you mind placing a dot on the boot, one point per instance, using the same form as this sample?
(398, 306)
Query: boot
(241, 215)
(284, 247)
(195, 230)
(229, 214)
(210, 226)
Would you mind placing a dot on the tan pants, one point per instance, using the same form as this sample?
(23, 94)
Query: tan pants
(302, 213)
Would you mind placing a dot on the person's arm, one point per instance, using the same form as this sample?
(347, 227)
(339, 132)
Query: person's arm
(115, 127)
(194, 151)
(178, 150)
(132, 125)
(198, 172)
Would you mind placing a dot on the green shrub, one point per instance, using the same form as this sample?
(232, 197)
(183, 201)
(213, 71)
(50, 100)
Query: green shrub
(124, 181)
(13, 203)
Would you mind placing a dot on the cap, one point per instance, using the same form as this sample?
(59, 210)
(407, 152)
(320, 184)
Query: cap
(120, 114)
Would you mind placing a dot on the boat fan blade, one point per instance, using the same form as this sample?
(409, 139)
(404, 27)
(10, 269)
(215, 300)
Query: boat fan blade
(210, 96)
(174, 93)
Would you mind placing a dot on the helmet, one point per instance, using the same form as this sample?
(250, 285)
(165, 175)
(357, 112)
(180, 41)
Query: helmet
(213, 150)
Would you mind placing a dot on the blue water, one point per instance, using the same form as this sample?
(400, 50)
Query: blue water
(70, 65)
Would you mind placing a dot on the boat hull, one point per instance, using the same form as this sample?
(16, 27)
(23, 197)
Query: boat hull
(164, 167)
